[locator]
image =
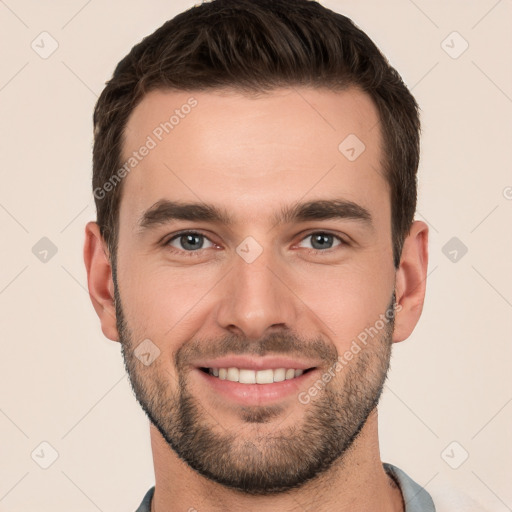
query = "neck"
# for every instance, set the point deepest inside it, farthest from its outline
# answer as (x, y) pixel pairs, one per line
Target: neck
(357, 483)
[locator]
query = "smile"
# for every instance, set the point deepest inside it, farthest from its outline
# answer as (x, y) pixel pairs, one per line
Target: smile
(248, 376)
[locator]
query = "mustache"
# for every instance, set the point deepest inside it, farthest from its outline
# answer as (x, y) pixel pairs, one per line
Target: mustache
(277, 344)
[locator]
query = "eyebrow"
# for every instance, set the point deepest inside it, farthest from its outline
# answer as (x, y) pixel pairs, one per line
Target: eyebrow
(165, 211)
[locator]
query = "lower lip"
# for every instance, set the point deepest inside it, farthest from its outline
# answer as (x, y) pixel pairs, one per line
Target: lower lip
(257, 394)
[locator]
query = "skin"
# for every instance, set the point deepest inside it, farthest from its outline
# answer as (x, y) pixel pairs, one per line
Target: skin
(253, 155)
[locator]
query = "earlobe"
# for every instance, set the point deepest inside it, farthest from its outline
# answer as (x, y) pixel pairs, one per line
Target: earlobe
(99, 280)
(411, 281)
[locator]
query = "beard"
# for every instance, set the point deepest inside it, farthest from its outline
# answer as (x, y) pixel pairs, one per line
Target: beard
(267, 459)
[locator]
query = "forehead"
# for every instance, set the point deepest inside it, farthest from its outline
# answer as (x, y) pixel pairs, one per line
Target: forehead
(247, 153)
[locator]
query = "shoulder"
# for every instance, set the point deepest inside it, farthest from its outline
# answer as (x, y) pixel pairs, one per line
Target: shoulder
(145, 505)
(416, 498)
(442, 495)
(449, 498)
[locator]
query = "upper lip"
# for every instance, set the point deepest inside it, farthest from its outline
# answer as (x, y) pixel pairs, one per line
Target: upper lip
(257, 363)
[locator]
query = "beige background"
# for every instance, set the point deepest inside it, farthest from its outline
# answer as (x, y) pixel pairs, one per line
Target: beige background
(63, 383)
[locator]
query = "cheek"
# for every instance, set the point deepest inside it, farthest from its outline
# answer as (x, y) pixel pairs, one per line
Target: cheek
(160, 301)
(346, 299)
(341, 300)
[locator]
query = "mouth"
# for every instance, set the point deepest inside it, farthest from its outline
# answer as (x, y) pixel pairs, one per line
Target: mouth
(249, 376)
(258, 386)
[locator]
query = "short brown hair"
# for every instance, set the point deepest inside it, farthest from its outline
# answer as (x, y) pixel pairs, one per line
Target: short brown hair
(258, 46)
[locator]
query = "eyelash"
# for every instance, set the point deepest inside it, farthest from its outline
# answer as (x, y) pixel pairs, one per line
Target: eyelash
(167, 242)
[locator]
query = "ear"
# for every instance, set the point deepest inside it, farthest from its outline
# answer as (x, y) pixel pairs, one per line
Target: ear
(411, 281)
(99, 280)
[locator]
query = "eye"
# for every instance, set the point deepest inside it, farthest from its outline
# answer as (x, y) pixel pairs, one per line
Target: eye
(321, 241)
(189, 241)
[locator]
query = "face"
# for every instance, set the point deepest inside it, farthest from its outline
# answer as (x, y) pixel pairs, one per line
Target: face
(283, 262)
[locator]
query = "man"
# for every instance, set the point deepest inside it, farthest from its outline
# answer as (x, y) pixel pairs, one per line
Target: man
(256, 254)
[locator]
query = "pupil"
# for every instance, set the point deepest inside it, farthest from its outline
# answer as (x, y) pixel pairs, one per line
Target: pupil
(190, 240)
(322, 240)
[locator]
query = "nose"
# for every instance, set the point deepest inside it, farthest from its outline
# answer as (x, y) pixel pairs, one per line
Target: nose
(257, 297)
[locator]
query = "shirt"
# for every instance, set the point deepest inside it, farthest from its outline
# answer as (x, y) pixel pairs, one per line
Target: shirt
(416, 498)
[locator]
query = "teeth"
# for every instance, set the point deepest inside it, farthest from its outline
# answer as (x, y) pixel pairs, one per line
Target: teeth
(279, 374)
(245, 376)
(233, 374)
(263, 376)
